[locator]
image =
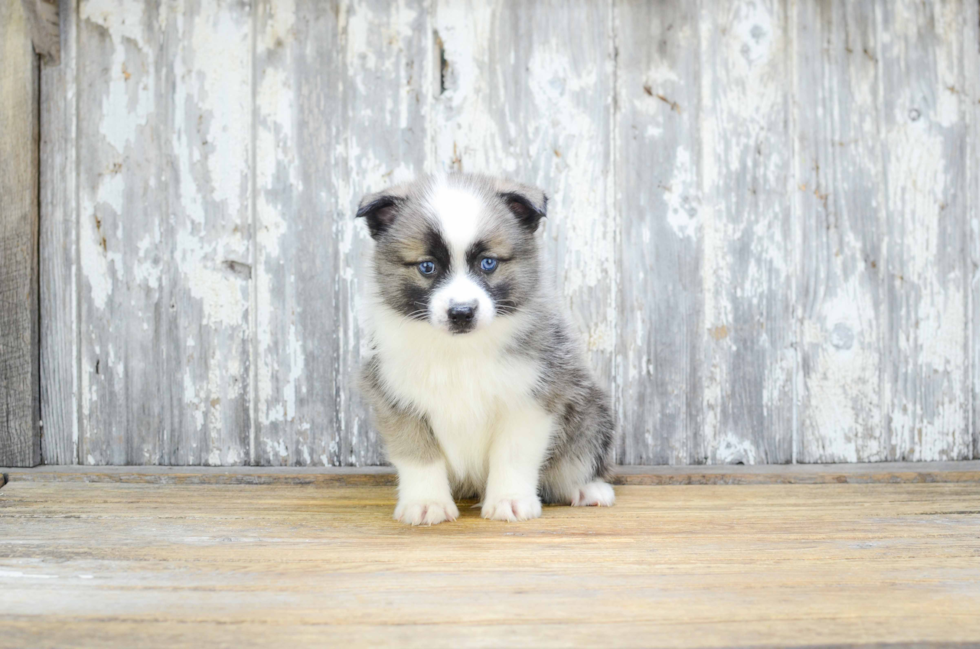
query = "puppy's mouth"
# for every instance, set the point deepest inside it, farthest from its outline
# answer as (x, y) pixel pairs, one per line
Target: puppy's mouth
(457, 329)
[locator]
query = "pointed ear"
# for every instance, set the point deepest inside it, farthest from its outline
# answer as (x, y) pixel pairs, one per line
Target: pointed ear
(528, 204)
(380, 209)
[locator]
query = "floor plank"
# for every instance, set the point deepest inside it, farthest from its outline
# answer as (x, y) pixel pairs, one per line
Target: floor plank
(684, 566)
(720, 474)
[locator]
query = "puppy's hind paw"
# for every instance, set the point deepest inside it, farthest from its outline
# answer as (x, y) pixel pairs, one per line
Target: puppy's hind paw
(512, 509)
(594, 494)
(426, 513)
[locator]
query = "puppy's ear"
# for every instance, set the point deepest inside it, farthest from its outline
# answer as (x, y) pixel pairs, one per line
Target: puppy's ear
(528, 204)
(380, 209)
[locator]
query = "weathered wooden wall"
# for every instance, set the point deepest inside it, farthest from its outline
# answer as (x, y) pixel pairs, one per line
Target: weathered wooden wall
(20, 438)
(764, 216)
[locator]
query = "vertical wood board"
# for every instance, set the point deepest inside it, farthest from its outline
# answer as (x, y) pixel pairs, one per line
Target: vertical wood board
(839, 193)
(164, 92)
(59, 243)
(748, 226)
(20, 443)
(923, 139)
(658, 202)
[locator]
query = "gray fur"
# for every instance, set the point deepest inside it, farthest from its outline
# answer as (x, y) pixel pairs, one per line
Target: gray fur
(581, 447)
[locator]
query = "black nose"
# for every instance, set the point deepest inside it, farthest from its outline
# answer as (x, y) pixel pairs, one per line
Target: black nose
(461, 315)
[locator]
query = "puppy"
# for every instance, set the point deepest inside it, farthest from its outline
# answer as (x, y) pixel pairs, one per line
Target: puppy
(474, 381)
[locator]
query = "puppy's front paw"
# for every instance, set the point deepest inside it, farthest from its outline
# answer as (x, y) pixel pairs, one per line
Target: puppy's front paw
(594, 494)
(512, 509)
(426, 513)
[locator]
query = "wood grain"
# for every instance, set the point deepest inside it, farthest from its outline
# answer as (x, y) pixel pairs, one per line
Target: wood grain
(20, 439)
(299, 177)
(703, 566)
(971, 77)
(923, 143)
(164, 232)
(659, 376)
(850, 473)
(59, 242)
(750, 244)
(839, 197)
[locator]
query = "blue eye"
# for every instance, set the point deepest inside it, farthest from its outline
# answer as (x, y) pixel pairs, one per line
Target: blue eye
(427, 267)
(488, 265)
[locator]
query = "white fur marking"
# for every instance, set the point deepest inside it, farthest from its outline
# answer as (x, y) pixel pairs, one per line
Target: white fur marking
(594, 494)
(459, 214)
(519, 446)
(459, 382)
(460, 290)
(424, 497)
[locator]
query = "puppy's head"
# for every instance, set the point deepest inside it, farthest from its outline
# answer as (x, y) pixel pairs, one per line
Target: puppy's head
(456, 251)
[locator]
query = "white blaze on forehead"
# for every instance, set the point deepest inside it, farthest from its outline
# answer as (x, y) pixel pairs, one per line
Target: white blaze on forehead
(459, 213)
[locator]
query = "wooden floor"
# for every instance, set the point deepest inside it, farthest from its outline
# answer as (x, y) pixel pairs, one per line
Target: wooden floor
(122, 563)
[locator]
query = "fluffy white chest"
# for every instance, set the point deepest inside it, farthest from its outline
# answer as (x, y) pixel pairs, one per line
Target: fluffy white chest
(463, 385)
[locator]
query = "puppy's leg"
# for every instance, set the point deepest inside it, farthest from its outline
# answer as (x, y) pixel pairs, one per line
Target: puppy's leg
(517, 451)
(424, 497)
(581, 457)
(573, 481)
(593, 494)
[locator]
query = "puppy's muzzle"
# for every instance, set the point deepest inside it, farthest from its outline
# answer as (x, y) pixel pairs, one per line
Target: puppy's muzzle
(462, 317)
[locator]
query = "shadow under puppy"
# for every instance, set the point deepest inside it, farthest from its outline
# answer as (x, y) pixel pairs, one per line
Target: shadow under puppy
(474, 381)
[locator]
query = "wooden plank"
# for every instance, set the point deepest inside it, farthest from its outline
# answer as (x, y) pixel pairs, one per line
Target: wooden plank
(839, 199)
(923, 148)
(42, 17)
(525, 91)
(749, 241)
(237, 475)
(340, 112)
(659, 377)
(164, 94)
(701, 566)
(20, 439)
(970, 25)
(59, 261)
(856, 473)
(298, 105)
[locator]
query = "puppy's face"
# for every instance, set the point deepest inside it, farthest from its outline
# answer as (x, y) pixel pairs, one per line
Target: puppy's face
(457, 251)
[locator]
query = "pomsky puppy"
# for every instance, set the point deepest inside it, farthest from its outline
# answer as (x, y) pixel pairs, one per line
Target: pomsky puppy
(475, 384)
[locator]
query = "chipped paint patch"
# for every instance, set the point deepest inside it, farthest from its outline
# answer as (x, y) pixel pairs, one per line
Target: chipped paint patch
(735, 449)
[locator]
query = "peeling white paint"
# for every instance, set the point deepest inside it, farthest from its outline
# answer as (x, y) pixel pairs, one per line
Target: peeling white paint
(842, 385)
(734, 449)
(545, 117)
(129, 88)
(94, 261)
(223, 99)
(682, 199)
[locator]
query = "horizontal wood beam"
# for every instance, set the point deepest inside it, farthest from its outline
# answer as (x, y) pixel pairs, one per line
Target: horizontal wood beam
(885, 472)
(20, 439)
